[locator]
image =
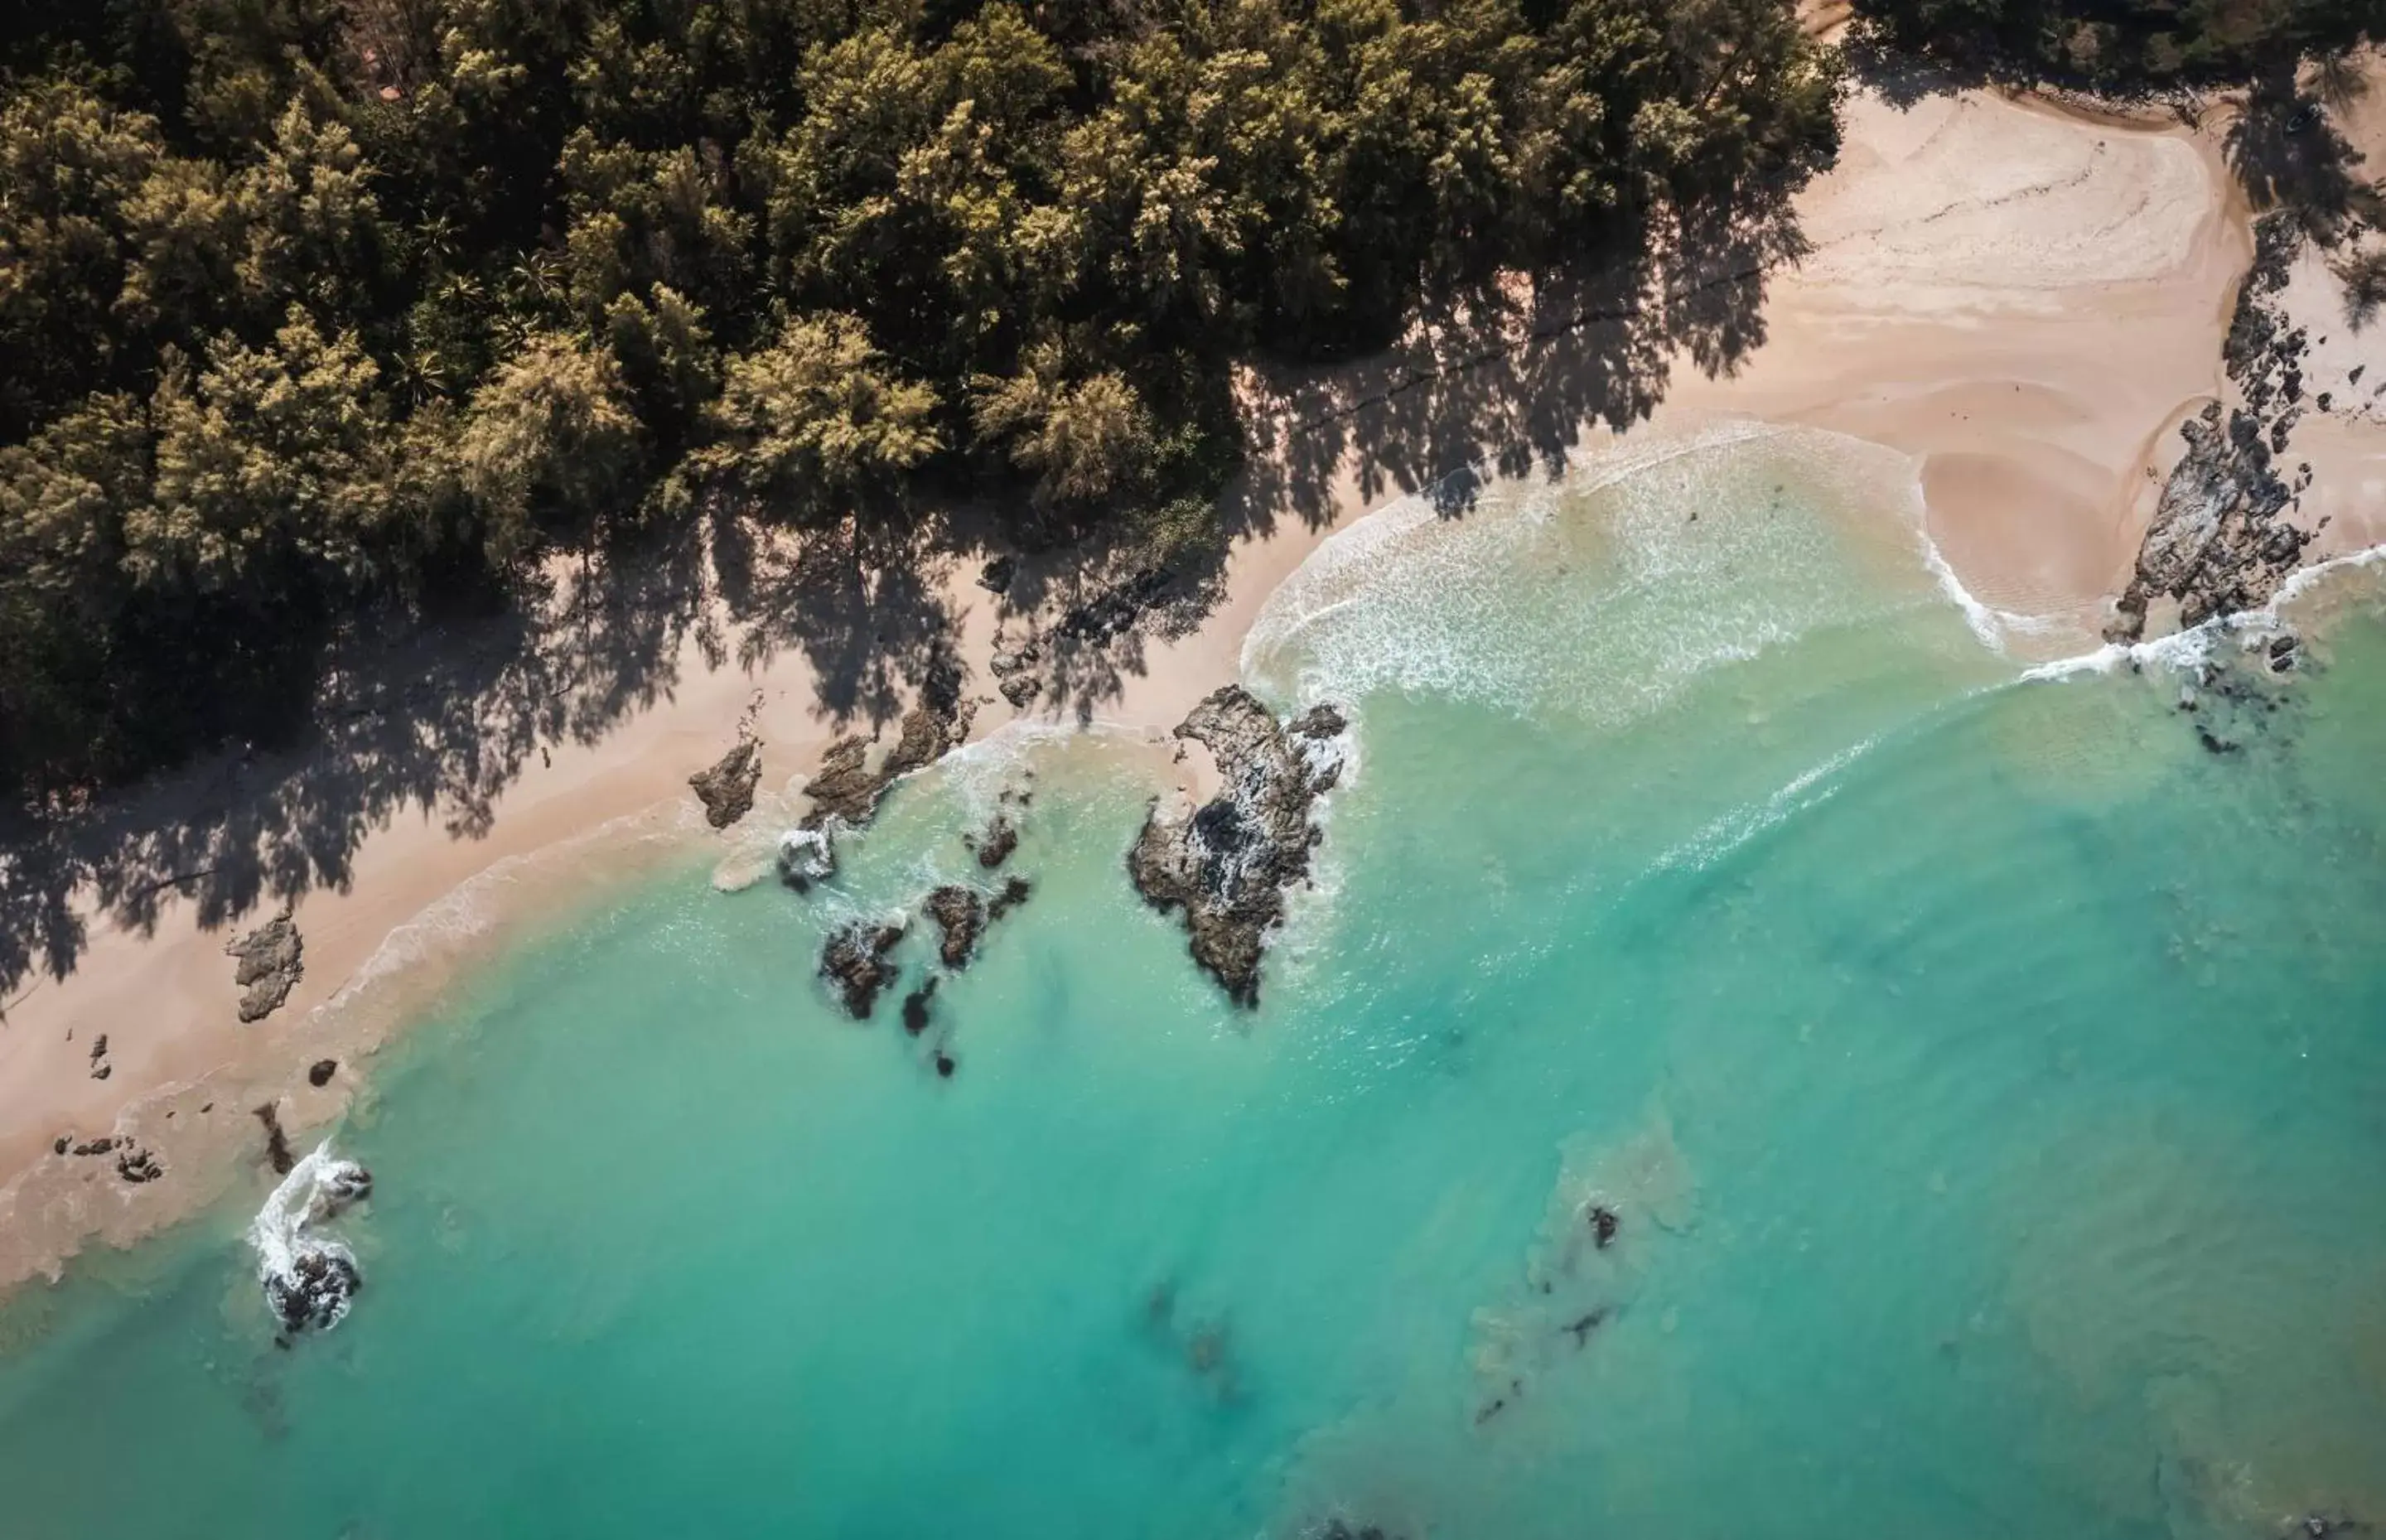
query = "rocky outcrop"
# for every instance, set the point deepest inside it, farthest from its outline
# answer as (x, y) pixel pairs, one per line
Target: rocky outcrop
(916, 1007)
(1227, 863)
(2218, 542)
(308, 1278)
(2222, 540)
(806, 856)
(1014, 671)
(319, 1073)
(848, 786)
(856, 961)
(959, 914)
(727, 789)
(138, 1167)
(271, 963)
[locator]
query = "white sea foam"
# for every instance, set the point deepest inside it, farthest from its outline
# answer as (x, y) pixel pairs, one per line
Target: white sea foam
(309, 1278)
(1721, 835)
(2185, 650)
(1649, 564)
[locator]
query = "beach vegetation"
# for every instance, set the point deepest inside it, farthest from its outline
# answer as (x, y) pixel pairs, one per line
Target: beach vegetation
(315, 310)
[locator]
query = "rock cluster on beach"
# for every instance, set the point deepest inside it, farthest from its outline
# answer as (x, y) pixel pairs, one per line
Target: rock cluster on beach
(2220, 540)
(1227, 863)
(271, 963)
(2216, 544)
(848, 786)
(727, 788)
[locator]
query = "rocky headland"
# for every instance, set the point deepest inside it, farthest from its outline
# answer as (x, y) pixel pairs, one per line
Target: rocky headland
(1226, 863)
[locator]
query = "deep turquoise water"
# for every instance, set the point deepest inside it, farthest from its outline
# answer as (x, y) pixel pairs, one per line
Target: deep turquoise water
(1989, 1079)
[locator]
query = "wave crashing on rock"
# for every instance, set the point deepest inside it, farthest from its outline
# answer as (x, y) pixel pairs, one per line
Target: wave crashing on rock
(308, 1278)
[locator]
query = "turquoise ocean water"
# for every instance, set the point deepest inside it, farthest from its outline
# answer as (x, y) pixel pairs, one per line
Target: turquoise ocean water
(1989, 1079)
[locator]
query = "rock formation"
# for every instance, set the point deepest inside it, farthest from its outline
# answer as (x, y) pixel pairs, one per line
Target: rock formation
(271, 965)
(2219, 541)
(277, 1144)
(2216, 542)
(848, 787)
(1014, 893)
(855, 960)
(308, 1278)
(1226, 865)
(727, 789)
(959, 913)
(319, 1073)
(806, 856)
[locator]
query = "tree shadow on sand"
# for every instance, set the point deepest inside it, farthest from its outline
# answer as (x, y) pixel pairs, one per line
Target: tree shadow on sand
(437, 721)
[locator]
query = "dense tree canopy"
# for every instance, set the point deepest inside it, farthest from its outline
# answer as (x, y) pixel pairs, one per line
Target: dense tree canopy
(2132, 43)
(313, 306)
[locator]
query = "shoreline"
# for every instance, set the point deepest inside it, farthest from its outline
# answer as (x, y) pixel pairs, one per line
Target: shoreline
(2033, 380)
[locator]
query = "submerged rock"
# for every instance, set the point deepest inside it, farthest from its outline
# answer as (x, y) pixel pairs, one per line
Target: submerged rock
(727, 789)
(959, 913)
(1227, 864)
(994, 847)
(916, 1007)
(271, 963)
(1014, 893)
(855, 960)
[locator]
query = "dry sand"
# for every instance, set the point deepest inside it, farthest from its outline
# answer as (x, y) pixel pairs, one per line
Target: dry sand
(2024, 301)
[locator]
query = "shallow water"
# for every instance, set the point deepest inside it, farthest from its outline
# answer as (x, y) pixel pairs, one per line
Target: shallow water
(1985, 1076)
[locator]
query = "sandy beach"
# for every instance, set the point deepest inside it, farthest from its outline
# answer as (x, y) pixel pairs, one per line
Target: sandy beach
(2024, 301)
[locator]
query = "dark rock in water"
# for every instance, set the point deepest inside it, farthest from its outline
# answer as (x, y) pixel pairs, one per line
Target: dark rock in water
(1227, 865)
(2216, 542)
(319, 1073)
(727, 789)
(1583, 1325)
(59, 1145)
(271, 963)
(1338, 1529)
(2281, 655)
(959, 913)
(1322, 721)
(994, 847)
(996, 575)
(806, 856)
(2213, 743)
(855, 960)
(1604, 1223)
(139, 1166)
(277, 1144)
(916, 1007)
(1014, 893)
(945, 1065)
(2319, 1526)
(98, 1147)
(314, 1291)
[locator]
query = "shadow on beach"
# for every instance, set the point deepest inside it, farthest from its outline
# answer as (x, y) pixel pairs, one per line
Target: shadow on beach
(440, 717)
